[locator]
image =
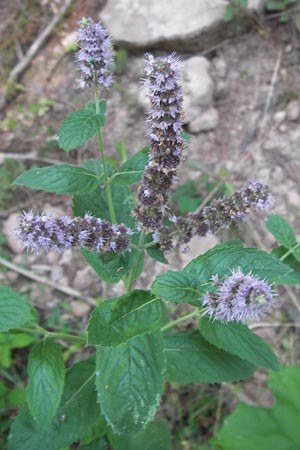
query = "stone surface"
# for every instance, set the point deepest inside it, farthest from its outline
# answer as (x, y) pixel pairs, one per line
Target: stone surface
(79, 308)
(293, 110)
(8, 227)
(189, 24)
(207, 121)
(198, 86)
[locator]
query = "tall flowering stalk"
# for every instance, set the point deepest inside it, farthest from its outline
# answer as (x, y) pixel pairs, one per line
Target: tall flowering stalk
(165, 129)
(238, 297)
(95, 55)
(47, 232)
(218, 215)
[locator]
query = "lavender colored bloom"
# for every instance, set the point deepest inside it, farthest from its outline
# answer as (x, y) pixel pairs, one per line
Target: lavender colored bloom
(165, 128)
(48, 232)
(238, 297)
(95, 54)
(220, 214)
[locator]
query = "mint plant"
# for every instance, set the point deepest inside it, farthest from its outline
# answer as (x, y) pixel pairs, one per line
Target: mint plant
(109, 400)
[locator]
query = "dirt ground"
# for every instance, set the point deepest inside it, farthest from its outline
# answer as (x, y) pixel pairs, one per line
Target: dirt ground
(257, 95)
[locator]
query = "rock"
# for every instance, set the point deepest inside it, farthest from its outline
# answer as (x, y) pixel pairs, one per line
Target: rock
(279, 116)
(79, 308)
(207, 121)
(198, 87)
(293, 110)
(8, 230)
(82, 279)
(197, 247)
(293, 198)
(181, 24)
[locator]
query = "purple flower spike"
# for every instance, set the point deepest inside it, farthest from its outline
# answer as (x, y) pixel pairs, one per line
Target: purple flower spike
(238, 297)
(165, 129)
(220, 214)
(95, 55)
(47, 232)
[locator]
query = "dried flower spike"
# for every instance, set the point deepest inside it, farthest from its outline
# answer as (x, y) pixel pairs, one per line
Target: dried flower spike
(219, 215)
(47, 232)
(165, 129)
(95, 55)
(238, 297)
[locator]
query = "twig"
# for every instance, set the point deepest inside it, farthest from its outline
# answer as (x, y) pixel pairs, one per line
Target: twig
(65, 289)
(253, 326)
(261, 118)
(37, 44)
(27, 156)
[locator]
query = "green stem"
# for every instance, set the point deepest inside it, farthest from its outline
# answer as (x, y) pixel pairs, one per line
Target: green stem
(41, 331)
(101, 149)
(196, 312)
(132, 273)
(291, 250)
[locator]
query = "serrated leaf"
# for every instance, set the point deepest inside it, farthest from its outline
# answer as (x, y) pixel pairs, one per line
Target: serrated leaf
(177, 287)
(97, 444)
(191, 359)
(223, 258)
(237, 339)
(155, 253)
(61, 179)
(129, 382)
(155, 437)
(78, 414)
(14, 311)
(132, 170)
(293, 277)
(46, 375)
(111, 267)
(281, 230)
(253, 428)
(79, 127)
(118, 320)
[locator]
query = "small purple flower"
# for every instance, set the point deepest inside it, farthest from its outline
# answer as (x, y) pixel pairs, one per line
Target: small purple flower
(238, 297)
(165, 128)
(47, 232)
(220, 214)
(95, 55)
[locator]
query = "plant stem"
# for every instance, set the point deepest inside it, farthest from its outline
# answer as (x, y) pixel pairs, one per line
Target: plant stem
(41, 331)
(132, 273)
(101, 149)
(291, 250)
(196, 312)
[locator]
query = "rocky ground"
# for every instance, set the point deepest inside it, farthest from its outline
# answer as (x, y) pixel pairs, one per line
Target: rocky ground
(242, 104)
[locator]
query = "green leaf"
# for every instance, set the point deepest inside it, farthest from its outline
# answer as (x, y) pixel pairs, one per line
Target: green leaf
(292, 277)
(237, 339)
(252, 428)
(186, 136)
(275, 5)
(281, 230)
(191, 359)
(46, 376)
(111, 267)
(96, 203)
(77, 416)
(177, 287)
(155, 253)
(230, 12)
(155, 437)
(129, 382)
(118, 320)
(78, 127)
(231, 255)
(132, 170)
(14, 311)
(97, 444)
(61, 179)
(102, 108)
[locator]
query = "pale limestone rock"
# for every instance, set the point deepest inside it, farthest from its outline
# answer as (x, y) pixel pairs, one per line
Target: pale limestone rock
(293, 111)
(79, 308)
(197, 87)
(206, 121)
(8, 230)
